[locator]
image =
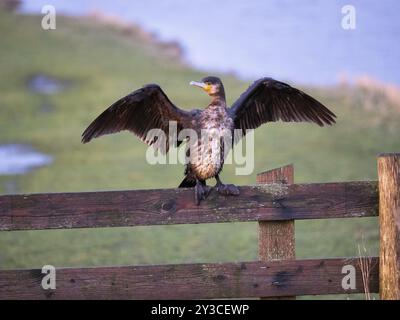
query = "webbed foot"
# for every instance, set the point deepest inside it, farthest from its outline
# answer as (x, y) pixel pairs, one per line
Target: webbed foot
(201, 191)
(227, 189)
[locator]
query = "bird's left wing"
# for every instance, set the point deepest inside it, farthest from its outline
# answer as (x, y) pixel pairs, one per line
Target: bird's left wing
(140, 111)
(268, 100)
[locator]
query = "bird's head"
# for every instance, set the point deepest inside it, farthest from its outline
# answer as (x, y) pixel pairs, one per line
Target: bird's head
(212, 85)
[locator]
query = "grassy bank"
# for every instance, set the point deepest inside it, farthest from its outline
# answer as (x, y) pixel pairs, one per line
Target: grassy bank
(103, 63)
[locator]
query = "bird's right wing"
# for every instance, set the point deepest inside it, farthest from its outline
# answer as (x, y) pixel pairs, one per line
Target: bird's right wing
(139, 112)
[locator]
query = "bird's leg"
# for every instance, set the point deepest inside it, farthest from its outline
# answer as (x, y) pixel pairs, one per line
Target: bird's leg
(226, 189)
(201, 191)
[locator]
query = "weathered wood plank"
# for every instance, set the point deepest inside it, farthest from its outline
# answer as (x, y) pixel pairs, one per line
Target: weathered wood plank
(276, 239)
(284, 175)
(389, 208)
(176, 206)
(190, 281)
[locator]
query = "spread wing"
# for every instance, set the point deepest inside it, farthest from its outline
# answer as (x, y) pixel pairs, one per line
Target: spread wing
(139, 112)
(268, 100)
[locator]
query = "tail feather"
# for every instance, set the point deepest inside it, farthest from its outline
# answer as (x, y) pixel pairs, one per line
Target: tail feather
(187, 183)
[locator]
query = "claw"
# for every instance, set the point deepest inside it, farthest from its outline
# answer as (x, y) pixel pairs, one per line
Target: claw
(227, 189)
(233, 190)
(201, 192)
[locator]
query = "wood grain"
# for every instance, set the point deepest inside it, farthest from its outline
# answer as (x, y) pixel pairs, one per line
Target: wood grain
(176, 206)
(190, 281)
(276, 239)
(389, 209)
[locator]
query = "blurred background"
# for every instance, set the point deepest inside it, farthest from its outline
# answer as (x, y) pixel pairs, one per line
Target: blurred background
(54, 82)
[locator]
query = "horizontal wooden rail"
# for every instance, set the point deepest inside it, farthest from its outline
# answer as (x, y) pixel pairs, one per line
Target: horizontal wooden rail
(192, 281)
(176, 206)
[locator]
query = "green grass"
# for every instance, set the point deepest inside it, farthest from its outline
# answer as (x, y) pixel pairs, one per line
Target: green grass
(104, 64)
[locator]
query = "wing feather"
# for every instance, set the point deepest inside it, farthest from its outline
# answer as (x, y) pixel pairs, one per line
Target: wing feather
(269, 100)
(140, 111)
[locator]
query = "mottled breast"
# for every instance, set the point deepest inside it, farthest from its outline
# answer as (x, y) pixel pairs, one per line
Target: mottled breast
(207, 158)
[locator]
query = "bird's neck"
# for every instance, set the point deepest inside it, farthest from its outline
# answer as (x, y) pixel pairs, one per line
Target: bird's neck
(218, 100)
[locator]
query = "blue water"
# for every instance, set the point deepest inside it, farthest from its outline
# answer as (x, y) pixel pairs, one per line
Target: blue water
(20, 159)
(301, 41)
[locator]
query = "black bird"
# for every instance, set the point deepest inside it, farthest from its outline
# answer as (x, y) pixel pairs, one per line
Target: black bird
(266, 100)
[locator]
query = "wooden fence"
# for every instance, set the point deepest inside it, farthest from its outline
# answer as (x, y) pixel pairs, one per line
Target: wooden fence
(275, 203)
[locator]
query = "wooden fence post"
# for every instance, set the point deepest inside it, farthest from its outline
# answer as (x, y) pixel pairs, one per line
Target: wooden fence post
(276, 239)
(389, 220)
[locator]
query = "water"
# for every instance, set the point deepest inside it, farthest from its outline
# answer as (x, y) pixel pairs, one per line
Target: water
(301, 41)
(20, 159)
(44, 84)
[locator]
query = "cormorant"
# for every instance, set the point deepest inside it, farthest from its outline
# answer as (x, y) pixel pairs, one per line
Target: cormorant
(266, 100)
